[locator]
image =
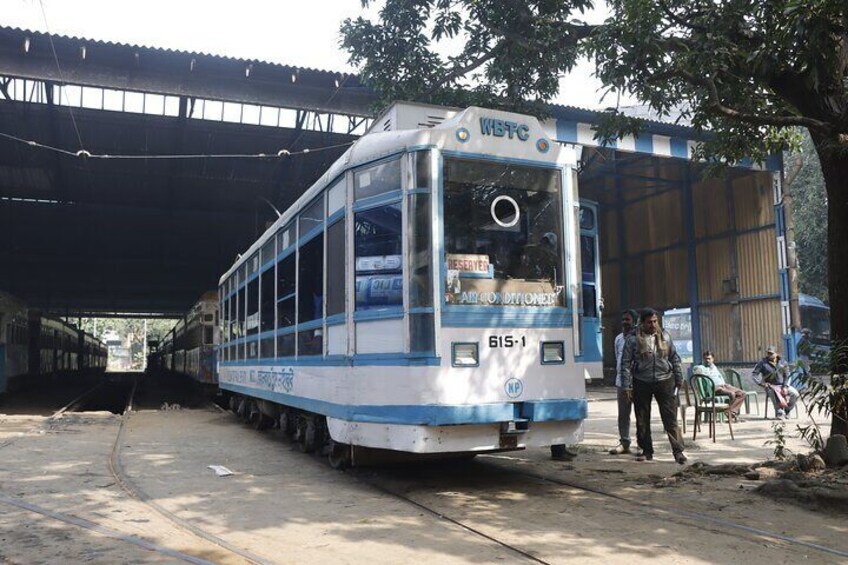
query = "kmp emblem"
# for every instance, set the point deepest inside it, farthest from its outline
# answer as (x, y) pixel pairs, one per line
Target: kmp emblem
(514, 387)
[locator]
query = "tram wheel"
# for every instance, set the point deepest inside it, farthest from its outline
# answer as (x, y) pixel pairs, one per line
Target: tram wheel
(340, 455)
(242, 410)
(262, 422)
(253, 415)
(307, 434)
(288, 425)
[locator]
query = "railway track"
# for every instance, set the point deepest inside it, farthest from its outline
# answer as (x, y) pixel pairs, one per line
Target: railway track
(58, 413)
(116, 467)
(698, 520)
(90, 398)
(500, 466)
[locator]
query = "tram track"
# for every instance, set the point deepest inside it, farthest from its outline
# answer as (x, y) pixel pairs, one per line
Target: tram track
(699, 520)
(442, 516)
(126, 484)
(70, 406)
(116, 468)
(90, 525)
(659, 510)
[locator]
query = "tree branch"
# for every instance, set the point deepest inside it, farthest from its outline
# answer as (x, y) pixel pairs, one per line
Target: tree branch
(458, 72)
(728, 112)
(680, 21)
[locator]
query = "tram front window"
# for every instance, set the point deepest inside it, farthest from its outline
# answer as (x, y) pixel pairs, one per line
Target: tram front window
(503, 235)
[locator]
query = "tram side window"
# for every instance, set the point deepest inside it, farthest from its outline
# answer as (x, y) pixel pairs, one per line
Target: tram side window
(231, 317)
(422, 169)
(253, 264)
(587, 261)
(336, 277)
(236, 310)
(421, 332)
(378, 256)
(286, 292)
(285, 345)
(266, 314)
(285, 238)
(310, 295)
(252, 318)
(420, 278)
(380, 178)
(268, 253)
(312, 217)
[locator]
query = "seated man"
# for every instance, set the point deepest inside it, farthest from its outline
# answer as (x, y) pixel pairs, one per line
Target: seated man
(772, 372)
(708, 369)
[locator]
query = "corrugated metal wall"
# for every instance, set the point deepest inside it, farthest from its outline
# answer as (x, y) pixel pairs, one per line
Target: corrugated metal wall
(643, 199)
(738, 277)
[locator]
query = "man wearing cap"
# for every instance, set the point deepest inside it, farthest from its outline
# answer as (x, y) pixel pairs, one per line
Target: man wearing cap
(650, 368)
(773, 372)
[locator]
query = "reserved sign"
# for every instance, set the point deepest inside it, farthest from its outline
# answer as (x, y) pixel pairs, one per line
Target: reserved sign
(468, 263)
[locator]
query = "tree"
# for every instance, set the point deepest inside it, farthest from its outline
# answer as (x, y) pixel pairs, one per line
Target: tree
(809, 205)
(513, 54)
(746, 73)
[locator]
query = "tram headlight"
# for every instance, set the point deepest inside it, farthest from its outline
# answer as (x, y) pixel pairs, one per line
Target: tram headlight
(465, 355)
(553, 352)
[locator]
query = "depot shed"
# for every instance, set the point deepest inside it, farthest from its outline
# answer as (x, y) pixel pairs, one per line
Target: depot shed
(671, 237)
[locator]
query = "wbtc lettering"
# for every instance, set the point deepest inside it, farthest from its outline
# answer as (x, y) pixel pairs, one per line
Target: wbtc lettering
(501, 128)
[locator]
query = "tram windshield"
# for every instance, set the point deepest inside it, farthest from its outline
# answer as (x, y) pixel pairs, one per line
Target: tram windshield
(503, 234)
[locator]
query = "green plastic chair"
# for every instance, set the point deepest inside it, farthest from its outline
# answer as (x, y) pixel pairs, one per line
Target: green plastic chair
(707, 404)
(735, 379)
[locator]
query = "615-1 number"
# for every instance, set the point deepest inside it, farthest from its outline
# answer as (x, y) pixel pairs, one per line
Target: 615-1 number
(507, 341)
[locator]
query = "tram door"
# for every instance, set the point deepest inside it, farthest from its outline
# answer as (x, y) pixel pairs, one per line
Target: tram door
(591, 284)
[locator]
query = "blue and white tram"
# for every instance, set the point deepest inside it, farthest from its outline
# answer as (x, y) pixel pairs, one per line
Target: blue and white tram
(424, 295)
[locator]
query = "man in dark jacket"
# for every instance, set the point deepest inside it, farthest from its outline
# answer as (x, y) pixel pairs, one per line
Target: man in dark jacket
(773, 372)
(650, 368)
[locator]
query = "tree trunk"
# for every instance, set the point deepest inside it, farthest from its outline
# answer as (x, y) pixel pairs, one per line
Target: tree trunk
(834, 163)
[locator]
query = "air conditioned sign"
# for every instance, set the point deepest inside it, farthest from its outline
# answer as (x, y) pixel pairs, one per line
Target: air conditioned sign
(504, 128)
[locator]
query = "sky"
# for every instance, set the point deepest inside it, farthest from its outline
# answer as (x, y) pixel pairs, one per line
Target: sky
(297, 33)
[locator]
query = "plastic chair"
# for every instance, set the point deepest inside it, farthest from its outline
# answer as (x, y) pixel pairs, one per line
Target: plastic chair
(707, 404)
(684, 407)
(735, 379)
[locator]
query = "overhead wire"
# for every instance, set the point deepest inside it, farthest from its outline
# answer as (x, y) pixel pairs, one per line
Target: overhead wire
(59, 71)
(82, 153)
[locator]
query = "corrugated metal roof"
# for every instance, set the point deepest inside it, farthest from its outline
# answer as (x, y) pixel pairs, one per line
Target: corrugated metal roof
(167, 51)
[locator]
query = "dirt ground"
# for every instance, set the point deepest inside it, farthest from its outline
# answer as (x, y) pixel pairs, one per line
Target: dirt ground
(60, 502)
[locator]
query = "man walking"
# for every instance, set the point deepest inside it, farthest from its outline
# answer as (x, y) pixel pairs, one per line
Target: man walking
(625, 403)
(650, 368)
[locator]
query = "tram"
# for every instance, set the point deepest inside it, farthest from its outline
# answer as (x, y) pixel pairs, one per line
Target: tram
(14, 340)
(33, 345)
(190, 347)
(424, 295)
